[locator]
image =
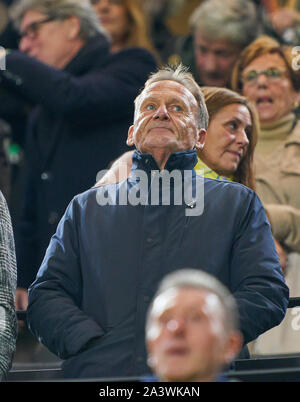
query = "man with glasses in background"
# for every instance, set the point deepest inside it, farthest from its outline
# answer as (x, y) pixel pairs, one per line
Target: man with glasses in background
(65, 68)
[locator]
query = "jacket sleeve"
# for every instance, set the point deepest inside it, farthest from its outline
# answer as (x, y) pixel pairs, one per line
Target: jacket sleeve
(285, 224)
(257, 280)
(8, 278)
(105, 90)
(54, 314)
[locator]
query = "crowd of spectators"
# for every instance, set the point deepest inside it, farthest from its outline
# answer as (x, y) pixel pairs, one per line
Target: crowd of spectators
(72, 71)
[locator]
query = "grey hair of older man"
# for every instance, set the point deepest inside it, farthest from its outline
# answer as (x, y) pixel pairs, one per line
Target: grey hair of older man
(233, 20)
(60, 10)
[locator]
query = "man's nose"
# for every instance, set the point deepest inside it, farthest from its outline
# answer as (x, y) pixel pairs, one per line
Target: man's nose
(161, 113)
(210, 62)
(176, 326)
(24, 44)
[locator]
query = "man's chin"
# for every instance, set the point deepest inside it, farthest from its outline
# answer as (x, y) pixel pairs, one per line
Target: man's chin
(178, 375)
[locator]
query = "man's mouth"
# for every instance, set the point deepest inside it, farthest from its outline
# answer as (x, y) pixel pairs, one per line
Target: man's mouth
(177, 351)
(160, 128)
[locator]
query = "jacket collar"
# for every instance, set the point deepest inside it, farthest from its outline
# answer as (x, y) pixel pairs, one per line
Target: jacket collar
(94, 49)
(184, 160)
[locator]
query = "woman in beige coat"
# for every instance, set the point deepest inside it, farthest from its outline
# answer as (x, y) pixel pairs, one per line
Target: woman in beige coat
(265, 75)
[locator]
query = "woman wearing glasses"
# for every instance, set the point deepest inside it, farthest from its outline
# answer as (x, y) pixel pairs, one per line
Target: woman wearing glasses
(267, 75)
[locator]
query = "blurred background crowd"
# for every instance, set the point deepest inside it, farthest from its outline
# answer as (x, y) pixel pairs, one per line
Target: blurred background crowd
(73, 70)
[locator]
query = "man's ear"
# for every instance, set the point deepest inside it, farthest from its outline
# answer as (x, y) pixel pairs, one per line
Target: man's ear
(73, 27)
(200, 141)
(130, 141)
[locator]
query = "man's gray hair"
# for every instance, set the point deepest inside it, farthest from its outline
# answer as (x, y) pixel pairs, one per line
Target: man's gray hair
(60, 10)
(181, 75)
(198, 279)
(231, 20)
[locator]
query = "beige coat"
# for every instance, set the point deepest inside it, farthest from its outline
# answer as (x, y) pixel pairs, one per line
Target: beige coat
(278, 185)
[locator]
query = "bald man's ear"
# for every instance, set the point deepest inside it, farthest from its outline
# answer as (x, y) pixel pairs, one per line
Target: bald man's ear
(130, 141)
(200, 141)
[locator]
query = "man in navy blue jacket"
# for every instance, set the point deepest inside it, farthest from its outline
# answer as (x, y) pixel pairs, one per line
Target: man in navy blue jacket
(116, 242)
(84, 104)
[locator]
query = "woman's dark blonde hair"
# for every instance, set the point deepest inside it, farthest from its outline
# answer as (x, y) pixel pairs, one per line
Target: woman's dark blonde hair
(138, 35)
(216, 98)
(264, 45)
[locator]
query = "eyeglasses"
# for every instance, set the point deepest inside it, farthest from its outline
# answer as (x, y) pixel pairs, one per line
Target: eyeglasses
(32, 30)
(272, 74)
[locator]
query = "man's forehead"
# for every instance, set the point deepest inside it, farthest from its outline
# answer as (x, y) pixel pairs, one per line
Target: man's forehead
(186, 297)
(215, 44)
(168, 87)
(31, 16)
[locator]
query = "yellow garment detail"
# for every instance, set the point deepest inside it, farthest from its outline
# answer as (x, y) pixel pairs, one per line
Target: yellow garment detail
(202, 169)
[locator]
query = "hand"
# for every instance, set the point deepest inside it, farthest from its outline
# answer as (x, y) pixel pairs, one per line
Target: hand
(281, 254)
(21, 303)
(119, 171)
(21, 299)
(284, 18)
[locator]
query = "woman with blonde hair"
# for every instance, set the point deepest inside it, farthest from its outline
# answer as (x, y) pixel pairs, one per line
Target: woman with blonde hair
(126, 23)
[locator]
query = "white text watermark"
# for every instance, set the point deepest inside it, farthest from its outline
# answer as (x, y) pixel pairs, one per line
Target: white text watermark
(164, 187)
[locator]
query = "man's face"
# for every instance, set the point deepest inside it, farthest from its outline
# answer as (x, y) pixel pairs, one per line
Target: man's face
(166, 119)
(47, 41)
(214, 60)
(187, 340)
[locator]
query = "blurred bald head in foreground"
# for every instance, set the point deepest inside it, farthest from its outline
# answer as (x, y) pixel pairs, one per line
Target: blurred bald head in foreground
(192, 328)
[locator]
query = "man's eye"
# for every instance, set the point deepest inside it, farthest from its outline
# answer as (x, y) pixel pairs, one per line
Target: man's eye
(202, 49)
(177, 108)
(223, 54)
(195, 317)
(150, 107)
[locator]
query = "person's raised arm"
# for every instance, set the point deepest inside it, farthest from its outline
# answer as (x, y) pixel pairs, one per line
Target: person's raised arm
(106, 92)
